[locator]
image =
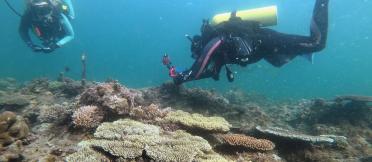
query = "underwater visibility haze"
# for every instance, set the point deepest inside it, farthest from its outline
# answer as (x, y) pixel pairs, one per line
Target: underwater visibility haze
(129, 110)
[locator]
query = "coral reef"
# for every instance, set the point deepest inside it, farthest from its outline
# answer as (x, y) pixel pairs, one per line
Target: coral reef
(14, 101)
(67, 87)
(149, 114)
(154, 137)
(342, 112)
(111, 96)
(198, 99)
(12, 128)
(237, 96)
(197, 121)
(8, 84)
(88, 117)
(203, 97)
(298, 137)
(247, 142)
(57, 113)
(87, 154)
(354, 98)
(128, 139)
(247, 116)
(12, 152)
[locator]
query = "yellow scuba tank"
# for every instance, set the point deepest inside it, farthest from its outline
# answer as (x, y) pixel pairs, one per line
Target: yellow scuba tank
(266, 16)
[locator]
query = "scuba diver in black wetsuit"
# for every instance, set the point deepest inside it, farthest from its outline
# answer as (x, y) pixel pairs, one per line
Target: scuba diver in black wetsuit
(244, 42)
(50, 22)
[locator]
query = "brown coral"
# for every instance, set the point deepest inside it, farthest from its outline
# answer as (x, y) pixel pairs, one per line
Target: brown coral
(149, 113)
(247, 142)
(12, 128)
(88, 117)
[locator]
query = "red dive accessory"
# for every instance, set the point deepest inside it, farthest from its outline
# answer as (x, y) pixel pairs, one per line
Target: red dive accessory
(173, 72)
(37, 31)
(172, 69)
(166, 61)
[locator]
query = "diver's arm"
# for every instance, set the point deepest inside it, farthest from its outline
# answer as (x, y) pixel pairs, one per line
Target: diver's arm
(187, 76)
(279, 48)
(24, 28)
(71, 12)
(69, 31)
(190, 75)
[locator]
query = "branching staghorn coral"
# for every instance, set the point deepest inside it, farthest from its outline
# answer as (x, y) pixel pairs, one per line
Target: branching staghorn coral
(88, 117)
(211, 124)
(128, 139)
(247, 142)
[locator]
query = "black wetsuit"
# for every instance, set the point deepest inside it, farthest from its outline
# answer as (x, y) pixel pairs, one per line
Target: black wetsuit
(47, 31)
(242, 42)
(53, 28)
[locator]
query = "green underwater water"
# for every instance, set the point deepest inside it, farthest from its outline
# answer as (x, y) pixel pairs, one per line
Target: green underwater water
(125, 39)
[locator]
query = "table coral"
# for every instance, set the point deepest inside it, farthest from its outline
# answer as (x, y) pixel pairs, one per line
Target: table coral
(212, 124)
(295, 136)
(87, 155)
(128, 139)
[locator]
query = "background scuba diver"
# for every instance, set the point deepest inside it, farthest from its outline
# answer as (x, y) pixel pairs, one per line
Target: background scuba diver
(50, 22)
(245, 42)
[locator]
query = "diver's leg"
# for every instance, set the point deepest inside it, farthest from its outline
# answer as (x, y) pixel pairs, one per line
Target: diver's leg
(280, 48)
(319, 24)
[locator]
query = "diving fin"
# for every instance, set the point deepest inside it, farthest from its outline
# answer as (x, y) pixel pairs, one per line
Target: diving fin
(309, 57)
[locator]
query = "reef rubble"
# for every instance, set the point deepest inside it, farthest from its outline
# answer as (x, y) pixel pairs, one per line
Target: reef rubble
(46, 120)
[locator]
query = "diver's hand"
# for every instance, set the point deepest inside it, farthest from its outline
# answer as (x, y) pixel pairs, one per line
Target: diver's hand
(47, 50)
(50, 48)
(36, 48)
